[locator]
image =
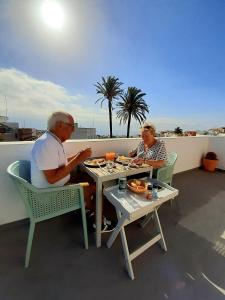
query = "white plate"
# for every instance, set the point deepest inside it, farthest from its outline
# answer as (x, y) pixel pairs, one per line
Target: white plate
(95, 162)
(124, 160)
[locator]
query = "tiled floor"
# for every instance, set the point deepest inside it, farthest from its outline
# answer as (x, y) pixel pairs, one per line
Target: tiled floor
(60, 268)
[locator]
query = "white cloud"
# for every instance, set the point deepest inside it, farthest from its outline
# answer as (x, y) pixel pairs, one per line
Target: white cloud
(33, 100)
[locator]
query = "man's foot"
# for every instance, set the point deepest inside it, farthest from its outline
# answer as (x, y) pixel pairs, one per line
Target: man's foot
(109, 225)
(90, 217)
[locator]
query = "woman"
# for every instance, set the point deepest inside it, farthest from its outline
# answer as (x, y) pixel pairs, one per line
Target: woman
(150, 150)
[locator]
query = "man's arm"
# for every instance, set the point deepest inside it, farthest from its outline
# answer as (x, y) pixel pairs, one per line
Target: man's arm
(55, 175)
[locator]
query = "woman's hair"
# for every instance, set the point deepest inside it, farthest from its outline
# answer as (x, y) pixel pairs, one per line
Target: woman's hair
(58, 116)
(149, 126)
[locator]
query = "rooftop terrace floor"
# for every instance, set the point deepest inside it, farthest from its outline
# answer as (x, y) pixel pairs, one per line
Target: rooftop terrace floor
(60, 268)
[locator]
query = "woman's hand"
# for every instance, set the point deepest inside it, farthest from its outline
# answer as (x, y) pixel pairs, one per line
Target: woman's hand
(132, 154)
(139, 161)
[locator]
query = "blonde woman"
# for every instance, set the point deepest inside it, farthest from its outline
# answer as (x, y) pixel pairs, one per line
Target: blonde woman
(150, 150)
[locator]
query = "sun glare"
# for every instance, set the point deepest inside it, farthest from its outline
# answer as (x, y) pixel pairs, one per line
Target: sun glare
(53, 14)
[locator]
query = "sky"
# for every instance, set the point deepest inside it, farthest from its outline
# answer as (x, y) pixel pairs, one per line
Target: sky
(173, 50)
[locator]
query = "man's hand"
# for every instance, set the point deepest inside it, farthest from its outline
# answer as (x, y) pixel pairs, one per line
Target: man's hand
(84, 154)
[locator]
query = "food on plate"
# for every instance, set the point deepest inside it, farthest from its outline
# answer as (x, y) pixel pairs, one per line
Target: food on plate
(133, 184)
(137, 186)
(124, 158)
(140, 187)
(95, 161)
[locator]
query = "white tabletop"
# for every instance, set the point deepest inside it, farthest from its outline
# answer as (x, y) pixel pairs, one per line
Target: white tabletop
(133, 205)
(103, 174)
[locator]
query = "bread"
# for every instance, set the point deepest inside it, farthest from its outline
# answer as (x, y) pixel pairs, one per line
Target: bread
(138, 182)
(133, 184)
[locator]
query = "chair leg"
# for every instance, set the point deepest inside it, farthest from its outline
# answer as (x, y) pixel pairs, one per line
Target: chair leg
(84, 223)
(29, 243)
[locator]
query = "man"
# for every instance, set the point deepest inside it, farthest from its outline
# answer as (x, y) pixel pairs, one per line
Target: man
(49, 164)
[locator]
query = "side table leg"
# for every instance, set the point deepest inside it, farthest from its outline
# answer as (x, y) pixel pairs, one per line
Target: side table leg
(126, 253)
(126, 249)
(159, 228)
(116, 231)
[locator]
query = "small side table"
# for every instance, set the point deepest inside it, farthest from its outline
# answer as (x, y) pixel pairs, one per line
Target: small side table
(130, 207)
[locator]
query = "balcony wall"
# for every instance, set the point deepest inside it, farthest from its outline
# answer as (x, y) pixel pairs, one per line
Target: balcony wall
(189, 149)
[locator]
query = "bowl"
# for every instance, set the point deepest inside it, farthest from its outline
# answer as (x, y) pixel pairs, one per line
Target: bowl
(137, 186)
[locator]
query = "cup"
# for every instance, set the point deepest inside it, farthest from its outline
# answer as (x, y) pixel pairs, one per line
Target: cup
(122, 184)
(110, 155)
(109, 165)
(155, 191)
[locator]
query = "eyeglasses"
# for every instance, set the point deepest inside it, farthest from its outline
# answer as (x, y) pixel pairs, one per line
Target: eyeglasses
(69, 124)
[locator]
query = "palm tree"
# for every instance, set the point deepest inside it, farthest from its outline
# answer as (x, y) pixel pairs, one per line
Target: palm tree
(110, 90)
(132, 105)
(178, 131)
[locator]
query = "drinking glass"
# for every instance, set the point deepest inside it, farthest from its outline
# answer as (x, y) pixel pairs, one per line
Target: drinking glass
(154, 191)
(109, 165)
(122, 185)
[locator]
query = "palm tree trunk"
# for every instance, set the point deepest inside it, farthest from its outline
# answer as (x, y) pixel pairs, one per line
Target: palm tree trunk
(128, 125)
(110, 117)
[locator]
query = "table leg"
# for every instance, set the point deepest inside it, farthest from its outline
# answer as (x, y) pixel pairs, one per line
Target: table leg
(159, 228)
(116, 231)
(98, 216)
(125, 248)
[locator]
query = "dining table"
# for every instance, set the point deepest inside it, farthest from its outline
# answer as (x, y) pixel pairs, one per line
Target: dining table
(101, 174)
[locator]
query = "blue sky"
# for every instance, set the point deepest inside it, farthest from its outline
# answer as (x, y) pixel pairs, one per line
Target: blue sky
(171, 49)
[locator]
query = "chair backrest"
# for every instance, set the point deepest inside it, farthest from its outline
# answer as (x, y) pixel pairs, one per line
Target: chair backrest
(171, 159)
(42, 204)
(165, 174)
(20, 169)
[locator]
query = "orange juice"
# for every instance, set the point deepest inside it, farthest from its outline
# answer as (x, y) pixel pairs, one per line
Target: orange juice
(110, 155)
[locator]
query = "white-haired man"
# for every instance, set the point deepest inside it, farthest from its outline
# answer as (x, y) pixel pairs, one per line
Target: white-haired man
(49, 164)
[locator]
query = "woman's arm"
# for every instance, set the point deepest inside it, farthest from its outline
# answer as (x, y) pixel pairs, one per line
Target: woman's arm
(154, 163)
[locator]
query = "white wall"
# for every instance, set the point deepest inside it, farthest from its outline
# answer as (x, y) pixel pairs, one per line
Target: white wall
(189, 149)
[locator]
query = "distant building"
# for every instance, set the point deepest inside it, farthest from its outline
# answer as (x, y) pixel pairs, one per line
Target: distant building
(166, 133)
(9, 131)
(83, 133)
(216, 131)
(190, 133)
(27, 134)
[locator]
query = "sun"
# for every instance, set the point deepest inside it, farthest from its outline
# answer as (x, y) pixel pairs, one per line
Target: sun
(53, 14)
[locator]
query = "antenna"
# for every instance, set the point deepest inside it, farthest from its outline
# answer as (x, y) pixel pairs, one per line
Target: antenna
(6, 108)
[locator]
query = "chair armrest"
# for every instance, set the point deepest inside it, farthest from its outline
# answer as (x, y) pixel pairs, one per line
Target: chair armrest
(58, 188)
(83, 184)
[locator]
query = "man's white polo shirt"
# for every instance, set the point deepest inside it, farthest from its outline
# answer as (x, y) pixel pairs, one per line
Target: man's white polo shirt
(47, 154)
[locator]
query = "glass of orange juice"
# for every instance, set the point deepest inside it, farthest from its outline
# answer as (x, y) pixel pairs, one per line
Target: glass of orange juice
(110, 155)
